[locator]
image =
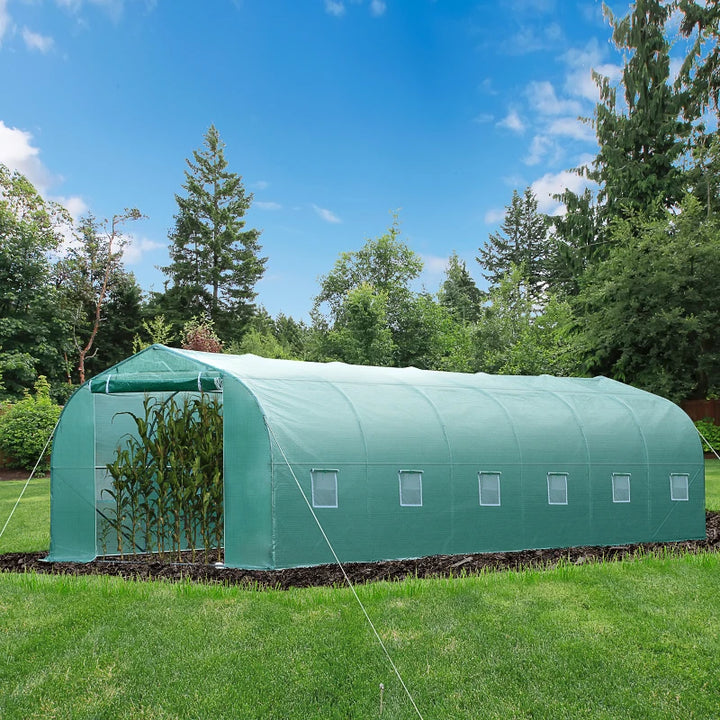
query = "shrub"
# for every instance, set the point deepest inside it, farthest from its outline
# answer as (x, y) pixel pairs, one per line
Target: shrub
(25, 427)
(199, 334)
(711, 432)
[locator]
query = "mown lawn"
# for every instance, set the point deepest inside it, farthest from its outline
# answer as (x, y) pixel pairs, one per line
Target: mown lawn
(634, 639)
(712, 485)
(29, 528)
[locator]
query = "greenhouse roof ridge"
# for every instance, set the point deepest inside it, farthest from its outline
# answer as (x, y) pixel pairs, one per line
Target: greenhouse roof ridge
(249, 367)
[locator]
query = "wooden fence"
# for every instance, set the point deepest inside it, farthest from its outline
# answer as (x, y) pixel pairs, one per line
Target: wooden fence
(701, 409)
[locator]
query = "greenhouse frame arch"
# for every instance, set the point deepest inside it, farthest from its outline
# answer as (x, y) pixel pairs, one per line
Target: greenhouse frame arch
(397, 462)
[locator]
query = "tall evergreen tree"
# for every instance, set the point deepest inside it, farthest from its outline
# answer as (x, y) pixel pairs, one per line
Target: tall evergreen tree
(701, 70)
(522, 242)
(574, 243)
(641, 138)
(459, 293)
(700, 78)
(215, 263)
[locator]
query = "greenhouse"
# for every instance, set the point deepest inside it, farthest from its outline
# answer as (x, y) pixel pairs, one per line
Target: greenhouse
(393, 462)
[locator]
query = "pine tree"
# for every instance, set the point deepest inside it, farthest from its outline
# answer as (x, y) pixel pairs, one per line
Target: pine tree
(522, 242)
(574, 243)
(215, 263)
(642, 138)
(701, 70)
(700, 78)
(459, 293)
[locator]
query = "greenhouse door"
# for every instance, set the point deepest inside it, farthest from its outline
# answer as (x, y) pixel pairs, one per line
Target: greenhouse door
(159, 474)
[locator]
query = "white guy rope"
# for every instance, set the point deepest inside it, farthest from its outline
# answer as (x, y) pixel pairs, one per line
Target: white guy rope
(345, 575)
(42, 455)
(707, 443)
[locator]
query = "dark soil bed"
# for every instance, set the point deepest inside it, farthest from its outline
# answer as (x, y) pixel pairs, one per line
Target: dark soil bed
(434, 566)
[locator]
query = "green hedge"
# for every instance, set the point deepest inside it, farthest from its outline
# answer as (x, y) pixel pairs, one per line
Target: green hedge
(711, 432)
(25, 427)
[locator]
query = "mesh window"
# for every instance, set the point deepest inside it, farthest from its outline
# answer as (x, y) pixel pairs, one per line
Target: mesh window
(557, 488)
(489, 488)
(410, 488)
(324, 488)
(679, 487)
(621, 488)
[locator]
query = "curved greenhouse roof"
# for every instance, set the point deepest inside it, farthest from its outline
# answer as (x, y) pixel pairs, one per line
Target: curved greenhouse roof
(407, 462)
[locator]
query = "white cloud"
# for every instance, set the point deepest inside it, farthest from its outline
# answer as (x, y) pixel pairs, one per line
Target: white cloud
(326, 215)
(572, 127)
(75, 205)
(538, 6)
(4, 19)
(512, 122)
(35, 41)
(486, 86)
(377, 8)
(530, 39)
(539, 148)
(593, 14)
(18, 153)
(114, 8)
(553, 184)
(261, 205)
(433, 264)
(260, 185)
(334, 7)
(581, 63)
(542, 98)
(483, 118)
(514, 181)
(675, 67)
(135, 249)
(494, 216)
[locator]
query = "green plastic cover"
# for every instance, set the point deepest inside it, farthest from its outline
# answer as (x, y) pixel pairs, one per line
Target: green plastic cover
(202, 381)
(400, 463)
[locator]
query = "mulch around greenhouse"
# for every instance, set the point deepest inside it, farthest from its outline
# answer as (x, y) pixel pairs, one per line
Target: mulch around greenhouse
(435, 566)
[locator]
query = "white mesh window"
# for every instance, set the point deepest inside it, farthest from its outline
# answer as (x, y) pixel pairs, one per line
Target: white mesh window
(489, 488)
(621, 488)
(557, 488)
(410, 488)
(679, 487)
(324, 488)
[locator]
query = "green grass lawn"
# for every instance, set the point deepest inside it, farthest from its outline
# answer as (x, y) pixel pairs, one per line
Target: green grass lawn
(633, 639)
(712, 485)
(29, 529)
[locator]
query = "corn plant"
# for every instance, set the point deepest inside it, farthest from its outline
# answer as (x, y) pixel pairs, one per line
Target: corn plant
(167, 480)
(117, 470)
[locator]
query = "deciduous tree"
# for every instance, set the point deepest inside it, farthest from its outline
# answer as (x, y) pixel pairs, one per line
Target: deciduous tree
(34, 330)
(647, 314)
(94, 282)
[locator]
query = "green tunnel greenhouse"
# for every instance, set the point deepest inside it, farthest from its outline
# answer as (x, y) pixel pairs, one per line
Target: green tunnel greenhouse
(396, 463)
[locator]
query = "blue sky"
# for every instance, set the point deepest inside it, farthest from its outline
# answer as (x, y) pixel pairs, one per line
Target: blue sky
(335, 112)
